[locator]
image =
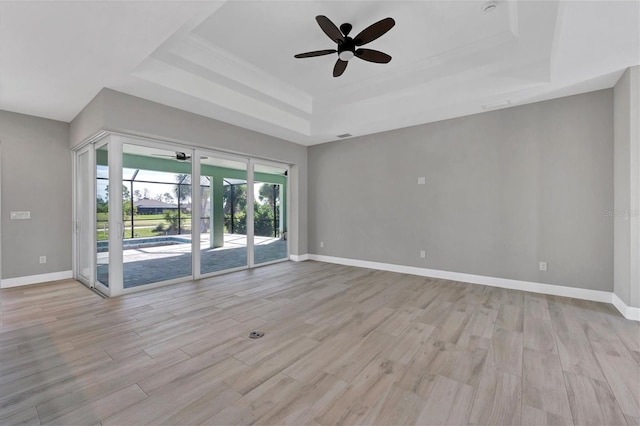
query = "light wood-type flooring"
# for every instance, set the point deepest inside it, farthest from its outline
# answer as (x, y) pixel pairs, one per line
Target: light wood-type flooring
(342, 345)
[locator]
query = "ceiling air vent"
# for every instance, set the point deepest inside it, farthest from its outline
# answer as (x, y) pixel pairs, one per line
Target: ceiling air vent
(345, 135)
(497, 105)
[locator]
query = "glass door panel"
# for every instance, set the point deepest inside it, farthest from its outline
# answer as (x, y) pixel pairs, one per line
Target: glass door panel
(84, 227)
(223, 218)
(156, 215)
(269, 214)
(102, 215)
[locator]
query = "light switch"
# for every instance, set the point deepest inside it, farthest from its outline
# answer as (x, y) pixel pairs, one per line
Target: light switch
(20, 215)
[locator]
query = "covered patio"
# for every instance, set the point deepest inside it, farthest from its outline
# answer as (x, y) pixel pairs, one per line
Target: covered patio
(159, 215)
(170, 260)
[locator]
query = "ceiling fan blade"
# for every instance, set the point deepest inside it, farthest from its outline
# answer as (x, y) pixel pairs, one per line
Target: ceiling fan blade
(374, 31)
(330, 29)
(315, 53)
(373, 56)
(339, 68)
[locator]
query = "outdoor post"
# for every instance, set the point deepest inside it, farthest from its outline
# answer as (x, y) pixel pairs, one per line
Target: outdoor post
(131, 194)
(217, 212)
(179, 196)
(275, 213)
(232, 206)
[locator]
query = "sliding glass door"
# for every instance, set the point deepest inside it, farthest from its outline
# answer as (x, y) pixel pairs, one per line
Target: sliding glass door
(269, 213)
(159, 213)
(102, 215)
(223, 214)
(156, 213)
(84, 225)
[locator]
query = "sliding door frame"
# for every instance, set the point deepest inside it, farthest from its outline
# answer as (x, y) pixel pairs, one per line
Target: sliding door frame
(80, 224)
(115, 142)
(197, 202)
(121, 140)
(287, 167)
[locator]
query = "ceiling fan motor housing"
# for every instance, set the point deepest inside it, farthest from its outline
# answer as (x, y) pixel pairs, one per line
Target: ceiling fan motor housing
(346, 49)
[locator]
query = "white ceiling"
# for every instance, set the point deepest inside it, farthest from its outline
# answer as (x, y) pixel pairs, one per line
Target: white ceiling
(233, 60)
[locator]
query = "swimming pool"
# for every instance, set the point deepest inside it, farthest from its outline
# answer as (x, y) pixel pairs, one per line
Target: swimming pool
(132, 243)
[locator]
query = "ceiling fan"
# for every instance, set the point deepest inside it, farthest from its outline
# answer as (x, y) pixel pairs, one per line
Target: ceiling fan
(348, 47)
(180, 156)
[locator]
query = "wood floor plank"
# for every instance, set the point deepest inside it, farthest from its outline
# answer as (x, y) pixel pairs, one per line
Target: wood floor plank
(409, 343)
(176, 394)
(538, 335)
(623, 376)
(27, 417)
(505, 352)
(349, 365)
(200, 409)
(482, 322)
(308, 367)
(33, 389)
(592, 403)
(363, 396)
(498, 399)
(248, 379)
(576, 356)
(535, 417)
(102, 408)
(259, 402)
(449, 403)
(191, 366)
(400, 407)
(92, 386)
(343, 345)
(465, 366)
(543, 384)
(510, 317)
(420, 374)
(536, 306)
(629, 333)
(307, 404)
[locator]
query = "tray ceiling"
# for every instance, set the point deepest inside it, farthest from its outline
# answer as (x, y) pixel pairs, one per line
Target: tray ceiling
(233, 60)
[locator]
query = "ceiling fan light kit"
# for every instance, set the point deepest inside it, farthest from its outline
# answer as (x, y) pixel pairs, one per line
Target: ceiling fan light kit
(348, 47)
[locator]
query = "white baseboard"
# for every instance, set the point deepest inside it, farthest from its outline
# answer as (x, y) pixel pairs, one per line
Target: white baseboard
(554, 290)
(36, 279)
(628, 311)
(299, 257)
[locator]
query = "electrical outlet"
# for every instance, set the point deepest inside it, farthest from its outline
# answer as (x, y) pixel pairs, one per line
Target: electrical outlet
(542, 266)
(321, 244)
(43, 259)
(423, 254)
(422, 180)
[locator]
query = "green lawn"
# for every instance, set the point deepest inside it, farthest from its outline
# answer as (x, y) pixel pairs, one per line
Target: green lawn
(144, 225)
(142, 220)
(139, 233)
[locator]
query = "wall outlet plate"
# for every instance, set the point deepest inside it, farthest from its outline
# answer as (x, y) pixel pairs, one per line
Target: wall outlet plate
(542, 266)
(43, 259)
(423, 254)
(422, 180)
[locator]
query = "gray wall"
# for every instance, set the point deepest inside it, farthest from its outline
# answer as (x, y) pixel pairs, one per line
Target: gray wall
(36, 176)
(505, 189)
(129, 114)
(627, 187)
(88, 122)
